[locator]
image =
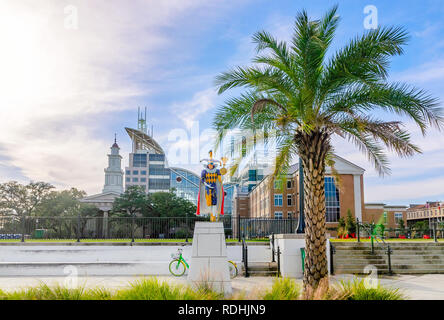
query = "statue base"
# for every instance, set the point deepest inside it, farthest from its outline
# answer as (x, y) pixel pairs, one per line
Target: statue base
(209, 263)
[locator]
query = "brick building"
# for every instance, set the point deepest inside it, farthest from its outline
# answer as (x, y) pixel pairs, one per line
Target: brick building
(344, 191)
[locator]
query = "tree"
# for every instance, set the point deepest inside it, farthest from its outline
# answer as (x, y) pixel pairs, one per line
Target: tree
(63, 205)
(308, 95)
(22, 200)
(350, 223)
(133, 201)
(168, 204)
(341, 229)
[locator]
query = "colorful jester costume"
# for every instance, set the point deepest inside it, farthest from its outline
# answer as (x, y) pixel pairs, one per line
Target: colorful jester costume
(211, 192)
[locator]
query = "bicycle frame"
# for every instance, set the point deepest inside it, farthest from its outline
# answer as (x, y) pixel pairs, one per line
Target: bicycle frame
(182, 259)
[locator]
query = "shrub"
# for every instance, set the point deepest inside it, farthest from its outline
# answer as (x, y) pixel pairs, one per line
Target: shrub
(153, 289)
(350, 223)
(357, 290)
(283, 289)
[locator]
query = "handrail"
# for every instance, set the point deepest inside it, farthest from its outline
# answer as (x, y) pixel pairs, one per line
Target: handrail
(371, 231)
(373, 235)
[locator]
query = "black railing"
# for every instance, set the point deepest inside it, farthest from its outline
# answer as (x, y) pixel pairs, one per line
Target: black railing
(433, 231)
(132, 228)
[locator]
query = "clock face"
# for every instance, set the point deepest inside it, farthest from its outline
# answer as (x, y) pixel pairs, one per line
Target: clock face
(223, 171)
(179, 179)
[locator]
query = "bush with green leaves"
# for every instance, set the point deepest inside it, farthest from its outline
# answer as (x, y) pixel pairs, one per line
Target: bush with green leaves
(154, 289)
(357, 289)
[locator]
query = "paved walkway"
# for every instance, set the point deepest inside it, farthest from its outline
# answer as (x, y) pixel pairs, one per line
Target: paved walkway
(417, 287)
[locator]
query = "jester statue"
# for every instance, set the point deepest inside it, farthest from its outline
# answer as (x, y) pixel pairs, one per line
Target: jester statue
(210, 200)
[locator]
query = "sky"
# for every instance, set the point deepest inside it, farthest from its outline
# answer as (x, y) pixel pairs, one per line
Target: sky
(73, 73)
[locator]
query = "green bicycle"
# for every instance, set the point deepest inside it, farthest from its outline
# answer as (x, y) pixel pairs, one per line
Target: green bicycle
(179, 265)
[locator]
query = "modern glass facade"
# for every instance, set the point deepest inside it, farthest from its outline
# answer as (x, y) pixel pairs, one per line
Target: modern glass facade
(139, 160)
(228, 200)
(158, 170)
(148, 169)
(158, 184)
(186, 184)
(331, 200)
(157, 157)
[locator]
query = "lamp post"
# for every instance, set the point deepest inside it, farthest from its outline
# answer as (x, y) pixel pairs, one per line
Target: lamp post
(301, 220)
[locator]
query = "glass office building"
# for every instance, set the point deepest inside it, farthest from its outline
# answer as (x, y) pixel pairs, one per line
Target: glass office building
(148, 168)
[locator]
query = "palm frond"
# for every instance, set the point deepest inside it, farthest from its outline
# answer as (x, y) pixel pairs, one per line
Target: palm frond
(364, 60)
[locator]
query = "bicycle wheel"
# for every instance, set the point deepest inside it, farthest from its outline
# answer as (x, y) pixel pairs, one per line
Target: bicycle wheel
(233, 269)
(177, 267)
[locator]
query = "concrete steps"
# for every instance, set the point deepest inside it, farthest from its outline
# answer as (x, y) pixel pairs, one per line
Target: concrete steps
(406, 258)
(262, 269)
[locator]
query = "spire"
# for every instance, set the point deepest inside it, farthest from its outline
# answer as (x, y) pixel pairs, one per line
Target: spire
(141, 120)
(115, 145)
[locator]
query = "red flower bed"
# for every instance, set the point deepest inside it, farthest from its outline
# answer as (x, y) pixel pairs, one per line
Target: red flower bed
(426, 236)
(401, 236)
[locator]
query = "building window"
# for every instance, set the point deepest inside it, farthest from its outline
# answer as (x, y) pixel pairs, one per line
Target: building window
(278, 200)
(157, 157)
(290, 215)
(159, 170)
(143, 172)
(332, 206)
(289, 200)
(289, 184)
(127, 172)
(142, 179)
(278, 184)
(136, 172)
(127, 179)
(139, 160)
(385, 217)
(398, 217)
(159, 184)
(278, 215)
(252, 175)
(135, 179)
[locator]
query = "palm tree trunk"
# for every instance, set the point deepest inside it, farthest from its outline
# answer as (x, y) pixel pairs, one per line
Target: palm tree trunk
(313, 148)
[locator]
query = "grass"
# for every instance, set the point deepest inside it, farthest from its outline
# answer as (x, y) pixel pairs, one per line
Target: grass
(283, 289)
(356, 289)
(153, 289)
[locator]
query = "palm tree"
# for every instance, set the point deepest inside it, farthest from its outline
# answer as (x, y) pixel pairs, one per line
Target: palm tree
(308, 96)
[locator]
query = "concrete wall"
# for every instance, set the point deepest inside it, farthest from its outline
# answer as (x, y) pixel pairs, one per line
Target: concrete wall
(18, 260)
(291, 259)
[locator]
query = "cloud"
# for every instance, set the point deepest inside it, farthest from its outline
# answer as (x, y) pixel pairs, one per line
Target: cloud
(200, 103)
(406, 192)
(57, 84)
(425, 73)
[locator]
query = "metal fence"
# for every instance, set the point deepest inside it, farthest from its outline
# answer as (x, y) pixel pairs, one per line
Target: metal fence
(434, 232)
(19, 228)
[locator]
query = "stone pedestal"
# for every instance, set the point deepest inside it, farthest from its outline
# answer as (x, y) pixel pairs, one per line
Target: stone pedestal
(209, 263)
(291, 259)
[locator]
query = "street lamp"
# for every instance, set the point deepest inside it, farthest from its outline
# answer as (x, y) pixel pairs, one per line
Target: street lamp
(301, 220)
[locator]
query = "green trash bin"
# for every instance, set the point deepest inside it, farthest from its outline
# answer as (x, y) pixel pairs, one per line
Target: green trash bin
(39, 233)
(303, 258)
